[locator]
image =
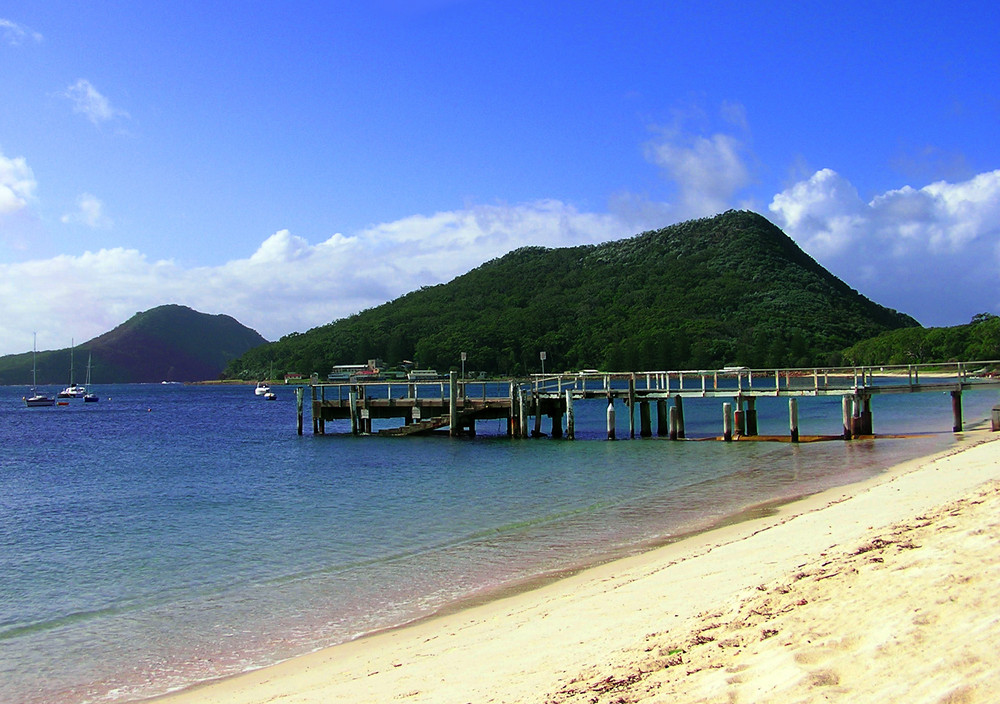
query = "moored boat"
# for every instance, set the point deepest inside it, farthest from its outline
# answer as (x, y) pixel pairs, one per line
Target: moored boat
(36, 400)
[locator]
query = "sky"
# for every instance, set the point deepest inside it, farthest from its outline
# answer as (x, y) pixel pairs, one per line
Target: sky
(293, 163)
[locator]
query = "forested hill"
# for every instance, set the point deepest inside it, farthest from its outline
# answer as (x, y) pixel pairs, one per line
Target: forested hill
(167, 343)
(732, 289)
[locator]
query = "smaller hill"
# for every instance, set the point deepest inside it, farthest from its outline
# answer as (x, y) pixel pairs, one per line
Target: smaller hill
(167, 343)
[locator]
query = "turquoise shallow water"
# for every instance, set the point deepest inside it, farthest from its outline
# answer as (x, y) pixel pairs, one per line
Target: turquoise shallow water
(170, 534)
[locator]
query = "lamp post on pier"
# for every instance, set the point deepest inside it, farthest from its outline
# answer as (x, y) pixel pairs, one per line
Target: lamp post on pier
(463, 365)
(541, 356)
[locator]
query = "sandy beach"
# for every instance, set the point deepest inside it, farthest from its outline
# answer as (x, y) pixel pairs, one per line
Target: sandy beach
(877, 592)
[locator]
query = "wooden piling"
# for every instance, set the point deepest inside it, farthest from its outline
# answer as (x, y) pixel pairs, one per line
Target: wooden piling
(299, 393)
(523, 414)
(645, 424)
(557, 428)
(793, 418)
(453, 429)
(866, 415)
(751, 417)
(662, 418)
(679, 407)
(631, 406)
(611, 418)
(739, 419)
(570, 422)
(727, 422)
(352, 401)
(673, 422)
(846, 407)
(315, 416)
(538, 415)
(956, 410)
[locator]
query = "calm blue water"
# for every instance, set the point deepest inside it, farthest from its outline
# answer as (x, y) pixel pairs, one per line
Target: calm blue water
(170, 534)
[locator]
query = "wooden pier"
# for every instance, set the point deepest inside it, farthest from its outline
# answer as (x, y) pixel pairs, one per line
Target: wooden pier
(458, 404)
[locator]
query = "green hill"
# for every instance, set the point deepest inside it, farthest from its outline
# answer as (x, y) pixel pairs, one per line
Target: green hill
(732, 289)
(167, 343)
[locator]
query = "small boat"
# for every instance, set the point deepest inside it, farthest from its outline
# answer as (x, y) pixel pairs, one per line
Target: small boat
(39, 400)
(270, 396)
(73, 390)
(36, 400)
(89, 396)
(262, 388)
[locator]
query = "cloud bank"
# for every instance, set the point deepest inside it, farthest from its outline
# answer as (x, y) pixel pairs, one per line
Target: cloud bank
(933, 252)
(287, 284)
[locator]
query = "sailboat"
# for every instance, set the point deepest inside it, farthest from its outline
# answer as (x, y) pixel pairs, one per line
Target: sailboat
(89, 396)
(73, 390)
(36, 399)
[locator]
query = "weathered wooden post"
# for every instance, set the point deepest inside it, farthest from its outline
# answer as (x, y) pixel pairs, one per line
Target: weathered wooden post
(631, 406)
(866, 415)
(537, 433)
(673, 422)
(352, 400)
(611, 417)
(751, 416)
(524, 413)
(662, 418)
(846, 407)
(679, 407)
(299, 393)
(727, 422)
(739, 418)
(315, 417)
(512, 415)
(557, 428)
(956, 410)
(856, 416)
(645, 423)
(793, 418)
(453, 428)
(570, 422)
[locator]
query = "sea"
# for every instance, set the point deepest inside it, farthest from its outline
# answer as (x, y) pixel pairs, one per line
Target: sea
(172, 534)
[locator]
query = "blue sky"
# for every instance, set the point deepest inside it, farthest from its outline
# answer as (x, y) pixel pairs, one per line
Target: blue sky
(292, 163)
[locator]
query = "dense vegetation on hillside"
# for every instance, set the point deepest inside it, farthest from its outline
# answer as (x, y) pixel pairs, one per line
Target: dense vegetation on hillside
(977, 340)
(732, 289)
(167, 343)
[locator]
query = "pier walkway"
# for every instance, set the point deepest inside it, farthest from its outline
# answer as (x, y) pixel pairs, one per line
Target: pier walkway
(458, 404)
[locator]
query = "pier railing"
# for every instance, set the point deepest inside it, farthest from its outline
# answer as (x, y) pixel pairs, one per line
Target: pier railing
(816, 381)
(429, 404)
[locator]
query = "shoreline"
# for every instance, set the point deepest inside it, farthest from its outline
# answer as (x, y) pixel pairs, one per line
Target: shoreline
(559, 638)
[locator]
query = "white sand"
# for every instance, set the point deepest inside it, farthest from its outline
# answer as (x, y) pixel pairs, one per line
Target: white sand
(885, 591)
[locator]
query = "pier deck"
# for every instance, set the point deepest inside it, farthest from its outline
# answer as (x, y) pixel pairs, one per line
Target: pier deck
(456, 404)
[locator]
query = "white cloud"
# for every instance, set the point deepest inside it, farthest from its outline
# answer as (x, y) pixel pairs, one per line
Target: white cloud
(90, 103)
(708, 171)
(89, 211)
(707, 167)
(930, 251)
(17, 184)
(15, 34)
(287, 284)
